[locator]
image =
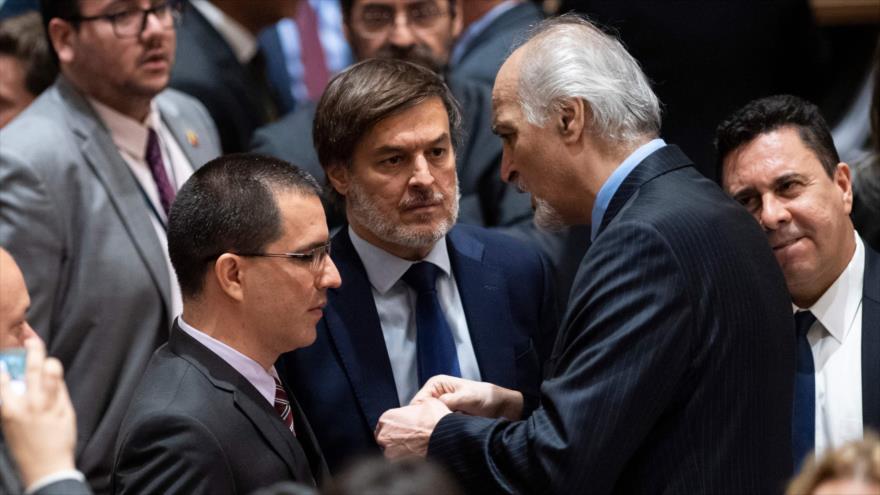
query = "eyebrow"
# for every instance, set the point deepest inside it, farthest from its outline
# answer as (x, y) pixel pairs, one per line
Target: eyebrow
(311, 246)
(397, 149)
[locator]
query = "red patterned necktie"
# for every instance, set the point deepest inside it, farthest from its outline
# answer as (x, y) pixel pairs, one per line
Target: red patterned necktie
(282, 405)
(157, 169)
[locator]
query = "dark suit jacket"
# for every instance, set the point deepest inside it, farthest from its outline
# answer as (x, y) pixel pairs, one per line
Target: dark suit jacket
(489, 49)
(485, 199)
(206, 68)
(871, 341)
(344, 380)
(197, 426)
(673, 369)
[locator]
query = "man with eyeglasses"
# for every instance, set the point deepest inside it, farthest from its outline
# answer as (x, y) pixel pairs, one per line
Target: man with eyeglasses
(249, 242)
(419, 31)
(219, 62)
(89, 172)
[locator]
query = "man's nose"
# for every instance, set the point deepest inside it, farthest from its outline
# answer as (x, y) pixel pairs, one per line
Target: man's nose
(774, 212)
(402, 34)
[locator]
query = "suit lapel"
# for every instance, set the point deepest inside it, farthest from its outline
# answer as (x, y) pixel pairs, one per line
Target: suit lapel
(247, 400)
(186, 136)
(871, 340)
(104, 159)
(482, 288)
(357, 334)
(663, 160)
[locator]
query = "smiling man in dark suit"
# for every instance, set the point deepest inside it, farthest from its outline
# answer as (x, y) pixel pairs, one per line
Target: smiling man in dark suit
(420, 296)
(672, 370)
(249, 243)
(778, 159)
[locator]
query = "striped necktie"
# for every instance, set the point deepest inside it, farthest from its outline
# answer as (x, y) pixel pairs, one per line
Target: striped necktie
(282, 405)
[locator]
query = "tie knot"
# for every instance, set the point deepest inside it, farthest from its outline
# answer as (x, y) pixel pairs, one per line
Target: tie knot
(422, 276)
(803, 320)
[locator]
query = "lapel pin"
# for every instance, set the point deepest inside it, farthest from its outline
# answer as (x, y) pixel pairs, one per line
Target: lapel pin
(193, 138)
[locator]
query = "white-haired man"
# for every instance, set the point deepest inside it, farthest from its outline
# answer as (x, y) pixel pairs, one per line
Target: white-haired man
(672, 371)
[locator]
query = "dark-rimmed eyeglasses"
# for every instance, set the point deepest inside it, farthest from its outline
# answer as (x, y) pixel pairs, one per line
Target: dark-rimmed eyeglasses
(314, 258)
(378, 19)
(131, 23)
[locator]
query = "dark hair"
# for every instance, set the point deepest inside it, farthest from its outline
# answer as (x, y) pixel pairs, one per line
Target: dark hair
(768, 114)
(377, 476)
(368, 92)
(229, 205)
(23, 37)
(62, 9)
(347, 5)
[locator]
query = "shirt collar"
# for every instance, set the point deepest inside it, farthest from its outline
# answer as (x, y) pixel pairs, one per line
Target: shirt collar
(242, 41)
(128, 134)
(384, 269)
(263, 380)
(616, 179)
(471, 32)
(838, 306)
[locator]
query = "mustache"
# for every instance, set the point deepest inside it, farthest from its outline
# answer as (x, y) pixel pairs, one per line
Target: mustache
(418, 54)
(422, 197)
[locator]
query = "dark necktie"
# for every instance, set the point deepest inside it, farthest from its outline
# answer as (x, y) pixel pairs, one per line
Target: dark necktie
(311, 52)
(434, 343)
(803, 425)
(157, 169)
(282, 405)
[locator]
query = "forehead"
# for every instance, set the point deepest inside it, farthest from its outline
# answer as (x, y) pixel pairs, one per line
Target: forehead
(91, 7)
(415, 125)
(395, 3)
(302, 218)
(769, 156)
(505, 100)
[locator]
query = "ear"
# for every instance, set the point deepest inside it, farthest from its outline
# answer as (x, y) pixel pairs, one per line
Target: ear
(339, 178)
(571, 119)
(843, 180)
(61, 34)
(228, 274)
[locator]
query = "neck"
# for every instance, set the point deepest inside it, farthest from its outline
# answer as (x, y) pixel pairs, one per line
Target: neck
(806, 295)
(603, 158)
(223, 323)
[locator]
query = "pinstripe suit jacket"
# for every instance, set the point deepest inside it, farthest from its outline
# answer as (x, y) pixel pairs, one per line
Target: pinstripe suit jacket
(673, 368)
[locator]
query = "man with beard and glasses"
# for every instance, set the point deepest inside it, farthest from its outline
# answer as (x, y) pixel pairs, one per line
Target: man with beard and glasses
(419, 31)
(421, 296)
(777, 158)
(89, 172)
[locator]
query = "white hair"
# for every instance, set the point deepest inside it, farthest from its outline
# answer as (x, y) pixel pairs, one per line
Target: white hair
(568, 57)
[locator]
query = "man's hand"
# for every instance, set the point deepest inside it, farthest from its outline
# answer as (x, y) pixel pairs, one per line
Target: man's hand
(474, 398)
(405, 431)
(39, 425)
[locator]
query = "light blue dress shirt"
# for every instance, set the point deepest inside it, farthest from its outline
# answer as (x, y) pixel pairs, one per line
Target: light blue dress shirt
(616, 179)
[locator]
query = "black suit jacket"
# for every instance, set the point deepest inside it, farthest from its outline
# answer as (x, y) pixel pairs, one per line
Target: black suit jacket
(871, 341)
(488, 50)
(485, 199)
(344, 380)
(237, 97)
(196, 426)
(673, 369)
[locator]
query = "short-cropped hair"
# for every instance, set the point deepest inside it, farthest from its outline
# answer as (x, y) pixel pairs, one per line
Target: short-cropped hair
(229, 205)
(765, 115)
(24, 38)
(368, 92)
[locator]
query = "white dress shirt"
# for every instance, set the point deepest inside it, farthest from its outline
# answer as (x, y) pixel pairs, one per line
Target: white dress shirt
(130, 137)
(836, 342)
(242, 41)
(262, 379)
(395, 303)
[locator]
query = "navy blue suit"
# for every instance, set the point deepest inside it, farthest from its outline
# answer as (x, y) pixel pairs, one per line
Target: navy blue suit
(344, 381)
(673, 370)
(871, 341)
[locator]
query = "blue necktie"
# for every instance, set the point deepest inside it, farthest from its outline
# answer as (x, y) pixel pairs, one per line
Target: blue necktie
(434, 343)
(803, 425)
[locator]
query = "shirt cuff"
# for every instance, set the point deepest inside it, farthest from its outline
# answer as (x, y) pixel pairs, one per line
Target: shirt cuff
(67, 474)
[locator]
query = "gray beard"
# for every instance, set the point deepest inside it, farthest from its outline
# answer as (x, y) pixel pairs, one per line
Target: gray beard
(547, 218)
(362, 209)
